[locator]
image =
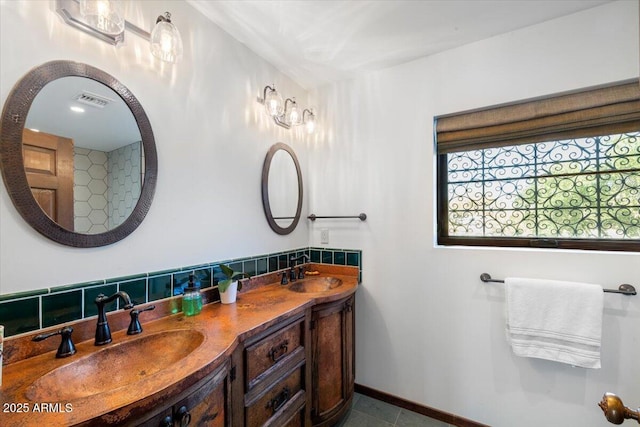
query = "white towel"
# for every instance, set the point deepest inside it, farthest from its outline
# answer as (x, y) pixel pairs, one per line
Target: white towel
(555, 320)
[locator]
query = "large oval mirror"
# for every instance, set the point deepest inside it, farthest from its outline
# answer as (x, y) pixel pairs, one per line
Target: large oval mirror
(78, 154)
(282, 188)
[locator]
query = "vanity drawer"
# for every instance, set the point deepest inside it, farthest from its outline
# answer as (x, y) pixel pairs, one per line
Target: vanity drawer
(297, 420)
(293, 415)
(276, 348)
(278, 401)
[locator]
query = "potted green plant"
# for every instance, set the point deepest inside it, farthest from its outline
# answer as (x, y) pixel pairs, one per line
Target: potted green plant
(230, 286)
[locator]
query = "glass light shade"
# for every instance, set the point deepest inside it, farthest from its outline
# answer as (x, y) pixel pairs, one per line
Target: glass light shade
(103, 15)
(294, 116)
(166, 42)
(310, 123)
(273, 103)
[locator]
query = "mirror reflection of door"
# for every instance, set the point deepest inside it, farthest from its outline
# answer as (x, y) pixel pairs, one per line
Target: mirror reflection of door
(48, 163)
(107, 162)
(283, 188)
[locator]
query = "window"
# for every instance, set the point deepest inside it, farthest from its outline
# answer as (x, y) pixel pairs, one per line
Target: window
(562, 171)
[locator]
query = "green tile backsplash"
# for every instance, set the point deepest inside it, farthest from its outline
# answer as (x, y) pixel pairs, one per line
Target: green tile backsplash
(273, 263)
(61, 307)
(355, 259)
(136, 289)
(160, 287)
(20, 315)
(262, 266)
(249, 267)
(28, 311)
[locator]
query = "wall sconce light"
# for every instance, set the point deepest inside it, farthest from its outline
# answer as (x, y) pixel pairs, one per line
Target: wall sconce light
(104, 19)
(286, 113)
(104, 16)
(166, 42)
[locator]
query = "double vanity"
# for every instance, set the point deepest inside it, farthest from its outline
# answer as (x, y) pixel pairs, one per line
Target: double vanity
(282, 355)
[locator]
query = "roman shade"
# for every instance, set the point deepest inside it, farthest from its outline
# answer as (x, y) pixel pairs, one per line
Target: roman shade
(597, 111)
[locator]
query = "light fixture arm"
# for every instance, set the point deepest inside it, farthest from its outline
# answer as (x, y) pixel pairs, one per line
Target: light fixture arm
(309, 112)
(71, 13)
(279, 120)
(164, 18)
(69, 10)
(271, 88)
(137, 30)
(293, 101)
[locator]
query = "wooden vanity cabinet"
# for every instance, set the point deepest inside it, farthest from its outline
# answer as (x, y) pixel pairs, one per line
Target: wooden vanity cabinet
(270, 376)
(332, 360)
(204, 404)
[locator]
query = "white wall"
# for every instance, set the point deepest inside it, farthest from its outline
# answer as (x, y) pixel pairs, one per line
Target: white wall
(427, 329)
(438, 338)
(211, 139)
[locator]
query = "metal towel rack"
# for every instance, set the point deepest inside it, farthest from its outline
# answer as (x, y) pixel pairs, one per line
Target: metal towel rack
(624, 289)
(361, 217)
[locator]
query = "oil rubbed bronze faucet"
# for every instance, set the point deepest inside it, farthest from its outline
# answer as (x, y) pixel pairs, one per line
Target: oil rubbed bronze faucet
(66, 347)
(134, 326)
(103, 333)
(292, 264)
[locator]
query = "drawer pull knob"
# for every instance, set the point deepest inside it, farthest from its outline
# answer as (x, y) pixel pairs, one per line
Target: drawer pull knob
(278, 352)
(184, 417)
(348, 306)
(278, 402)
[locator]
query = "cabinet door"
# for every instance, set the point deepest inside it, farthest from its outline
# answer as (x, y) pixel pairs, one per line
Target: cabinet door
(204, 407)
(332, 364)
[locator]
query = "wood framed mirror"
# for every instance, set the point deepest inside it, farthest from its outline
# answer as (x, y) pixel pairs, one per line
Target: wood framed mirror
(60, 187)
(282, 188)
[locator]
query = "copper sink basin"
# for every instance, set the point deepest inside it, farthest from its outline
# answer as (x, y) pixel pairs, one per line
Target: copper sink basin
(315, 285)
(115, 366)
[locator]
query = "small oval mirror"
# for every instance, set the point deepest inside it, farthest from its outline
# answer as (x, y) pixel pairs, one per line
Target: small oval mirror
(282, 189)
(77, 154)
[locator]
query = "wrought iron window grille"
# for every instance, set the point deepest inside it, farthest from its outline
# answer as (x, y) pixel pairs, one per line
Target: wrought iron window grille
(576, 189)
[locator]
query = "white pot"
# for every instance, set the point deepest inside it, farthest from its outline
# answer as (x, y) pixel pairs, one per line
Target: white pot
(229, 296)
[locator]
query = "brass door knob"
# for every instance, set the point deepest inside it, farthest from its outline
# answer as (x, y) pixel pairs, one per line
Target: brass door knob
(614, 410)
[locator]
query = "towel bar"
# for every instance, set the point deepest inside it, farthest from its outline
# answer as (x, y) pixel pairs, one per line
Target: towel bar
(624, 289)
(361, 217)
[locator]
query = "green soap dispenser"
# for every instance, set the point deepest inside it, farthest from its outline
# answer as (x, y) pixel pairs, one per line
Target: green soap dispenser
(191, 299)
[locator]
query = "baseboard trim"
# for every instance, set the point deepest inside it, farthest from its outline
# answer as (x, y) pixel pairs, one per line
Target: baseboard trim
(415, 407)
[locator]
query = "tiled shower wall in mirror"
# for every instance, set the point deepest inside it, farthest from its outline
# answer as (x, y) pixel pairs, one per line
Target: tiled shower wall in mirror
(106, 186)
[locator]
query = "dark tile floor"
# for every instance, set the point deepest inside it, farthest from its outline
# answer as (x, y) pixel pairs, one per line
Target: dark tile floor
(368, 412)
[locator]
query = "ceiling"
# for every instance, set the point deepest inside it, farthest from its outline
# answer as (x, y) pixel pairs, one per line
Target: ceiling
(104, 127)
(318, 41)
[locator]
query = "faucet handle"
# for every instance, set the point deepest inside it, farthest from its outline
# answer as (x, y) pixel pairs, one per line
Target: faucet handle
(66, 347)
(284, 279)
(134, 326)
